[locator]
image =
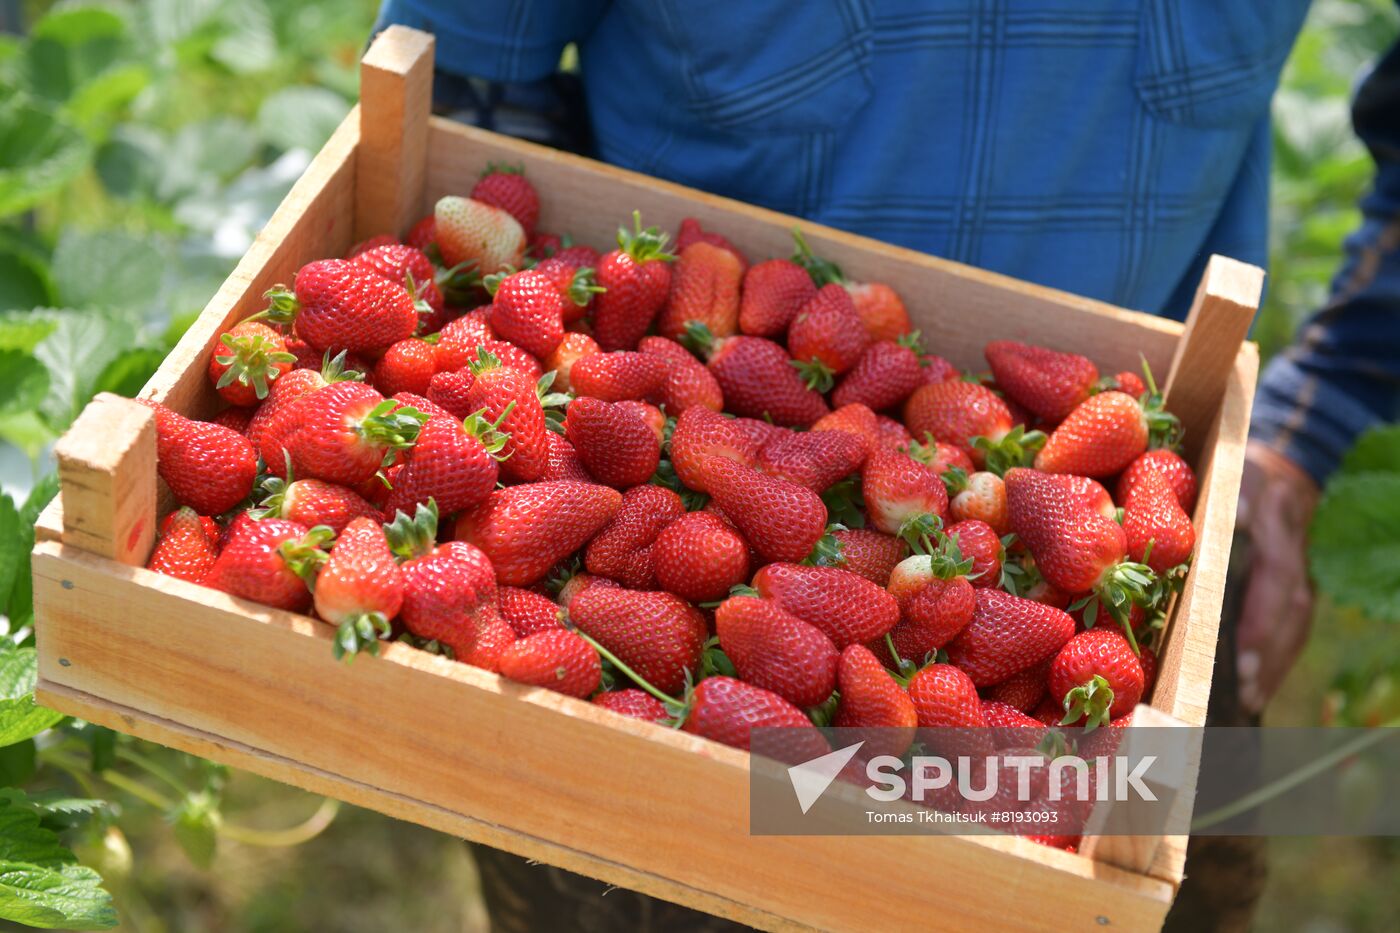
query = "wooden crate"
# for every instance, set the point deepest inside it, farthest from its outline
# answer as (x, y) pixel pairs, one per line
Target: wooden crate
(552, 778)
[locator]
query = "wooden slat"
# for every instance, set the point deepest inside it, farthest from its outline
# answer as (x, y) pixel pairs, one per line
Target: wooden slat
(958, 307)
(396, 96)
(525, 761)
(107, 468)
(1225, 303)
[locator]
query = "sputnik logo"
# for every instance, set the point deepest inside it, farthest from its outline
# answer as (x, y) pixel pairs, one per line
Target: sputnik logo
(811, 778)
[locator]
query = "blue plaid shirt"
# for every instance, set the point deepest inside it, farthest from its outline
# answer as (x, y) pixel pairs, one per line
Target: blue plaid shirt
(1105, 148)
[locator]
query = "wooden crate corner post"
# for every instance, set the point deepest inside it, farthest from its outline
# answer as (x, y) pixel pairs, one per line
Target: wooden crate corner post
(107, 477)
(396, 96)
(1225, 303)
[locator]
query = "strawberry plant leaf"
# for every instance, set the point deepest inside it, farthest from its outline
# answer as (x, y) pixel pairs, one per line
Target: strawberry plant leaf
(41, 883)
(24, 281)
(78, 350)
(300, 117)
(17, 762)
(107, 269)
(11, 557)
(196, 824)
(20, 717)
(1354, 543)
(1377, 450)
(40, 153)
(24, 382)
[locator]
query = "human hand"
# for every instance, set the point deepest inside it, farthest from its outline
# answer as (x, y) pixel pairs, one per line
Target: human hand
(1277, 499)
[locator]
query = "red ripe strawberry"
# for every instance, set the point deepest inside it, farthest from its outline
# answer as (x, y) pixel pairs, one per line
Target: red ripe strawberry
(1148, 659)
(1007, 635)
(269, 561)
(848, 608)
(657, 635)
(564, 462)
(636, 278)
(528, 311)
(783, 521)
(580, 581)
(527, 612)
(460, 339)
(340, 433)
(774, 291)
(312, 502)
(515, 359)
(1022, 691)
(940, 456)
(450, 392)
(1159, 531)
(360, 588)
(422, 404)
(1104, 434)
(1013, 728)
(776, 650)
(886, 374)
(761, 433)
(897, 487)
(557, 659)
(1096, 677)
(893, 435)
(1076, 550)
(339, 304)
(759, 381)
(937, 369)
(506, 187)
(472, 231)
(691, 232)
(869, 553)
(854, 419)
(872, 701)
(813, 459)
(250, 356)
(1090, 494)
(637, 704)
(442, 604)
(526, 530)
(699, 557)
(571, 349)
(1169, 463)
(480, 573)
(422, 234)
(411, 268)
(955, 412)
(932, 616)
(208, 467)
(544, 245)
(616, 376)
(827, 338)
(725, 710)
(979, 542)
(979, 496)
(616, 446)
(407, 366)
(688, 384)
(510, 402)
(705, 287)
(452, 464)
(701, 434)
(1045, 382)
(945, 697)
(212, 529)
(235, 419)
(1131, 383)
(580, 256)
(578, 286)
(880, 309)
(185, 549)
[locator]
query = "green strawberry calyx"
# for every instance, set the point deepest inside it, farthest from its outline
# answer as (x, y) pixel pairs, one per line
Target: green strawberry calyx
(502, 168)
(484, 362)
(391, 426)
(489, 433)
(1121, 587)
(584, 286)
(1017, 448)
(360, 633)
(822, 271)
(306, 555)
(251, 360)
(274, 490)
(1164, 429)
(414, 536)
(492, 282)
(643, 245)
(282, 306)
(333, 369)
(698, 338)
(955, 480)
(912, 341)
(816, 375)
(827, 552)
(1089, 702)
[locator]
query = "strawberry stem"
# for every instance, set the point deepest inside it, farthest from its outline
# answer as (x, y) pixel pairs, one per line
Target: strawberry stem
(583, 287)
(1090, 702)
(822, 271)
(643, 245)
(636, 678)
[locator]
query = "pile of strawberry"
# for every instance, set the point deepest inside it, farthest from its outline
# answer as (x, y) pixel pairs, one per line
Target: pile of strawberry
(694, 489)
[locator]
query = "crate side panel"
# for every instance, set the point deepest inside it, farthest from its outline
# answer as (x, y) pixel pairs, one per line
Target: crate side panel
(674, 803)
(959, 307)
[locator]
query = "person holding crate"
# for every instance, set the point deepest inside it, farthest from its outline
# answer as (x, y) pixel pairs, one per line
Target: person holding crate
(1106, 151)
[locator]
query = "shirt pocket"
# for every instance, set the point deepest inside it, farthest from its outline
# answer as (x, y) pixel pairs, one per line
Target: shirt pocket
(773, 65)
(1213, 64)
